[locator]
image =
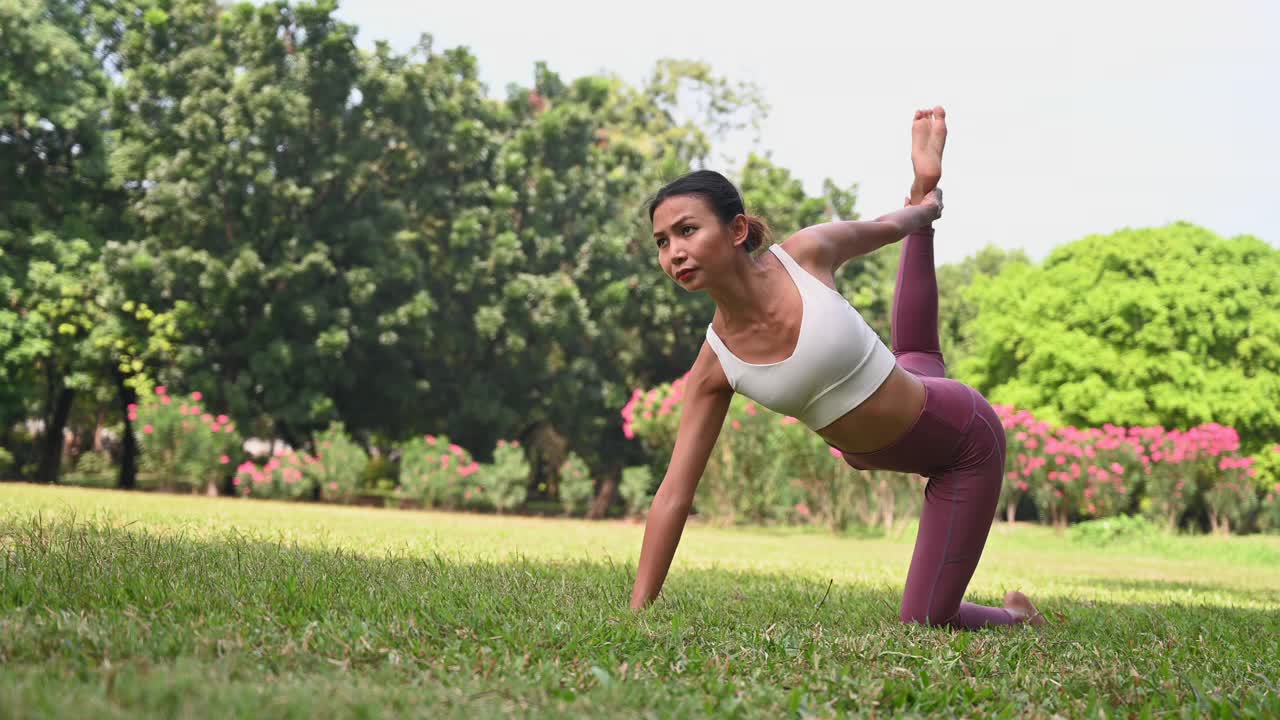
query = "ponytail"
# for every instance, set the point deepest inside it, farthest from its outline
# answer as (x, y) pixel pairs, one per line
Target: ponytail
(758, 233)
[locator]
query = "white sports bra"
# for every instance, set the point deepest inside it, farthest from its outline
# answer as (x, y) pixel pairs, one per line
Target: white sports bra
(838, 361)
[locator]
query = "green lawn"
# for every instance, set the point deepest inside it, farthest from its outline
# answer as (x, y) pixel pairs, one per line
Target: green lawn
(134, 605)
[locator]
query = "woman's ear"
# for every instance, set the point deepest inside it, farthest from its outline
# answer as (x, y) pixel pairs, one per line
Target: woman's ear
(740, 230)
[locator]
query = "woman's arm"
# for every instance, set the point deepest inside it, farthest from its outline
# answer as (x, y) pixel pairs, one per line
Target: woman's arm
(832, 244)
(706, 402)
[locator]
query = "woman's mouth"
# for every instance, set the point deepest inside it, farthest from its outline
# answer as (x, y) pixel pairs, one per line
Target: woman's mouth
(685, 274)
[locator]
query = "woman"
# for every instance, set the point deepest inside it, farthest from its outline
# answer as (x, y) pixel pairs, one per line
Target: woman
(784, 337)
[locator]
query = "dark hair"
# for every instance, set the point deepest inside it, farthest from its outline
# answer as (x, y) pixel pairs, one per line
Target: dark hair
(721, 195)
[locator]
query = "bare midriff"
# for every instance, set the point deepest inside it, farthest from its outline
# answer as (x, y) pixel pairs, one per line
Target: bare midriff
(882, 418)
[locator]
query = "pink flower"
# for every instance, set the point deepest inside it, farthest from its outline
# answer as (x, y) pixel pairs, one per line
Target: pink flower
(207, 418)
(788, 420)
(164, 400)
(224, 459)
(737, 425)
(147, 429)
(197, 396)
(160, 390)
(750, 409)
(133, 407)
(333, 486)
(431, 439)
(627, 431)
(235, 481)
(1022, 485)
(455, 449)
(835, 452)
(223, 419)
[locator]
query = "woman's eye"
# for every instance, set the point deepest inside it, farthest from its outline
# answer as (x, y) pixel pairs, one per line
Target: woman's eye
(662, 242)
(686, 230)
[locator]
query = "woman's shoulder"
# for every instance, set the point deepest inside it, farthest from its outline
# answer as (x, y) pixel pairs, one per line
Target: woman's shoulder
(707, 374)
(809, 252)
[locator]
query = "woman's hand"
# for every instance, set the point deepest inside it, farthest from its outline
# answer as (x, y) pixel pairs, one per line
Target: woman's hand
(933, 200)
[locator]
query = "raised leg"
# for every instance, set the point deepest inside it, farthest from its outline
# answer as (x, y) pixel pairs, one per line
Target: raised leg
(914, 322)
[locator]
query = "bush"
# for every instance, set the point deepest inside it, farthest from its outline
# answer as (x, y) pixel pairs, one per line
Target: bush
(575, 485)
(6, 461)
(180, 443)
(93, 468)
(1114, 529)
(337, 466)
(438, 473)
(1269, 510)
(636, 489)
(505, 483)
(282, 477)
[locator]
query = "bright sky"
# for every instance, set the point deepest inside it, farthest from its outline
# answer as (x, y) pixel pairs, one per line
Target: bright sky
(1066, 119)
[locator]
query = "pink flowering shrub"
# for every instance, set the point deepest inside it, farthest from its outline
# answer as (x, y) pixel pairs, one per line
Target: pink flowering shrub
(745, 477)
(181, 442)
(439, 473)
(280, 477)
(1178, 464)
(769, 468)
(1025, 465)
(1232, 499)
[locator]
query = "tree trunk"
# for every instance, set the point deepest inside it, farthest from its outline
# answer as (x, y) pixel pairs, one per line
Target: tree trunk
(125, 395)
(56, 422)
(1010, 510)
(608, 490)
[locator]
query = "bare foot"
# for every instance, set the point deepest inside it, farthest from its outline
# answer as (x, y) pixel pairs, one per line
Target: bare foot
(928, 138)
(1020, 607)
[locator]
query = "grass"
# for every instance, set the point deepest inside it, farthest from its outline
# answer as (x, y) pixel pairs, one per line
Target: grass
(144, 605)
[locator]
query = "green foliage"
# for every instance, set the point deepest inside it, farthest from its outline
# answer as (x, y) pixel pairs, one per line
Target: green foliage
(338, 465)
(282, 477)
(1267, 468)
(438, 473)
(505, 482)
(1169, 326)
(575, 485)
(1108, 530)
(636, 489)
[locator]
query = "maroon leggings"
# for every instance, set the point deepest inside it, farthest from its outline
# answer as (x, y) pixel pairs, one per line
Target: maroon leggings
(957, 442)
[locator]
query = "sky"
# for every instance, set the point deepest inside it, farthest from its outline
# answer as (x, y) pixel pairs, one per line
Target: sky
(1066, 119)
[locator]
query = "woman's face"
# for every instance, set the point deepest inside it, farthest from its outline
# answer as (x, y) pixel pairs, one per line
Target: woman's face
(693, 243)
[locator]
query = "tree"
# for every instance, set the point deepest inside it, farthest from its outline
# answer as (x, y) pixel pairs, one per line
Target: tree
(1170, 326)
(53, 92)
